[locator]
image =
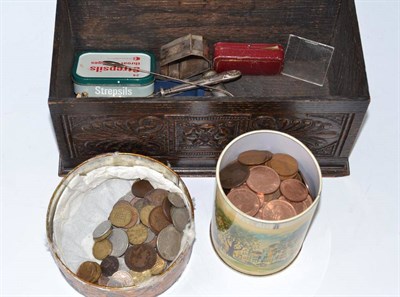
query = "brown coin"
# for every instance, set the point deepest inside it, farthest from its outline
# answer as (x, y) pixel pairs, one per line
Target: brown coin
(180, 217)
(103, 280)
(245, 200)
(145, 213)
(109, 265)
(233, 175)
(294, 190)
(298, 206)
(159, 266)
(134, 200)
(121, 215)
(157, 220)
(137, 234)
(134, 217)
(263, 179)
(283, 164)
(140, 257)
(277, 210)
(260, 198)
(156, 196)
(166, 207)
(272, 196)
(102, 249)
(142, 202)
(141, 187)
(169, 243)
(308, 201)
(89, 271)
(254, 157)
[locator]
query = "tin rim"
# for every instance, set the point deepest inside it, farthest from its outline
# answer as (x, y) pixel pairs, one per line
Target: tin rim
(219, 186)
(51, 209)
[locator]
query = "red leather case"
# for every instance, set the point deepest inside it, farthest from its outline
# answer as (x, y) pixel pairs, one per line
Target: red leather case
(249, 58)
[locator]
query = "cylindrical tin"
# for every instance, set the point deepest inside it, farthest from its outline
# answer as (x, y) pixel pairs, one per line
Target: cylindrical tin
(251, 245)
(114, 170)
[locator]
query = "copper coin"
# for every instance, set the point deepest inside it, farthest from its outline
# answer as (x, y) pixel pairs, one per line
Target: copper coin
(89, 271)
(233, 175)
(180, 217)
(169, 243)
(263, 179)
(141, 187)
(140, 257)
(134, 200)
(245, 200)
(276, 210)
(157, 220)
(166, 207)
(156, 196)
(294, 190)
(298, 206)
(284, 164)
(272, 196)
(134, 217)
(176, 199)
(308, 201)
(109, 265)
(254, 157)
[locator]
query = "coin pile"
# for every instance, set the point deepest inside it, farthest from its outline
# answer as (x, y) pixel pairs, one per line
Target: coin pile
(141, 237)
(266, 186)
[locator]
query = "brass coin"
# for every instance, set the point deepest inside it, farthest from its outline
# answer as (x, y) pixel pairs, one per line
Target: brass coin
(102, 231)
(176, 199)
(166, 207)
(277, 210)
(140, 257)
(120, 215)
(144, 214)
(180, 217)
(157, 220)
(102, 249)
(140, 277)
(141, 187)
(294, 190)
(159, 267)
(298, 206)
(89, 271)
(254, 157)
(263, 179)
(169, 243)
(137, 234)
(233, 175)
(156, 196)
(109, 265)
(283, 164)
(245, 200)
(134, 217)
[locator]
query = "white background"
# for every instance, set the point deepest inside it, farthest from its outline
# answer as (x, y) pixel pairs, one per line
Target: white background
(352, 248)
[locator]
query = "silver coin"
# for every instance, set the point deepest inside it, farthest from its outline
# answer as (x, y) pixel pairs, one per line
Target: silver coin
(122, 264)
(150, 236)
(180, 217)
(169, 243)
(102, 229)
(142, 202)
(176, 199)
(123, 277)
(114, 283)
(119, 240)
(127, 197)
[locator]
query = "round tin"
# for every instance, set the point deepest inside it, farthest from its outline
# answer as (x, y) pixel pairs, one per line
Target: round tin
(90, 76)
(118, 168)
(251, 245)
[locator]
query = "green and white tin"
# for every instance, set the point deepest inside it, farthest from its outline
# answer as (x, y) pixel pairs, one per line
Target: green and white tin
(94, 79)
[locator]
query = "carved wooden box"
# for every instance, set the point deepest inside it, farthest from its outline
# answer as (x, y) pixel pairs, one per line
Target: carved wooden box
(188, 133)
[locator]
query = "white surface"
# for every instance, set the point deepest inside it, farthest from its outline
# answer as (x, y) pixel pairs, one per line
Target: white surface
(352, 248)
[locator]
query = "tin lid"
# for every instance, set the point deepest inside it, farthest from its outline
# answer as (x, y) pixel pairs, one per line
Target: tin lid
(89, 69)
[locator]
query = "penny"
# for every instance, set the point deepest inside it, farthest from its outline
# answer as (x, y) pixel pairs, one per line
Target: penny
(308, 201)
(294, 190)
(141, 203)
(156, 196)
(159, 266)
(103, 280)
(233, 175)
(157, 220)
(169, 243)
(277, 210)
(176, 199)
(298, 206)
(102, 249)
(166, 207)
(260, 198)
(140, 277)
(144, 214)
(140, 257)
(89, 271)
(134, 200)
(263, 179)
(283, 164)
(245, 200)
(120, 215)
(134, 217)
(137, 234)
(102, 231)
(123, 277)
(254, 157)
(120, 242)
(180, 218)
(109, 265)
(272, 196)
(141, 187)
